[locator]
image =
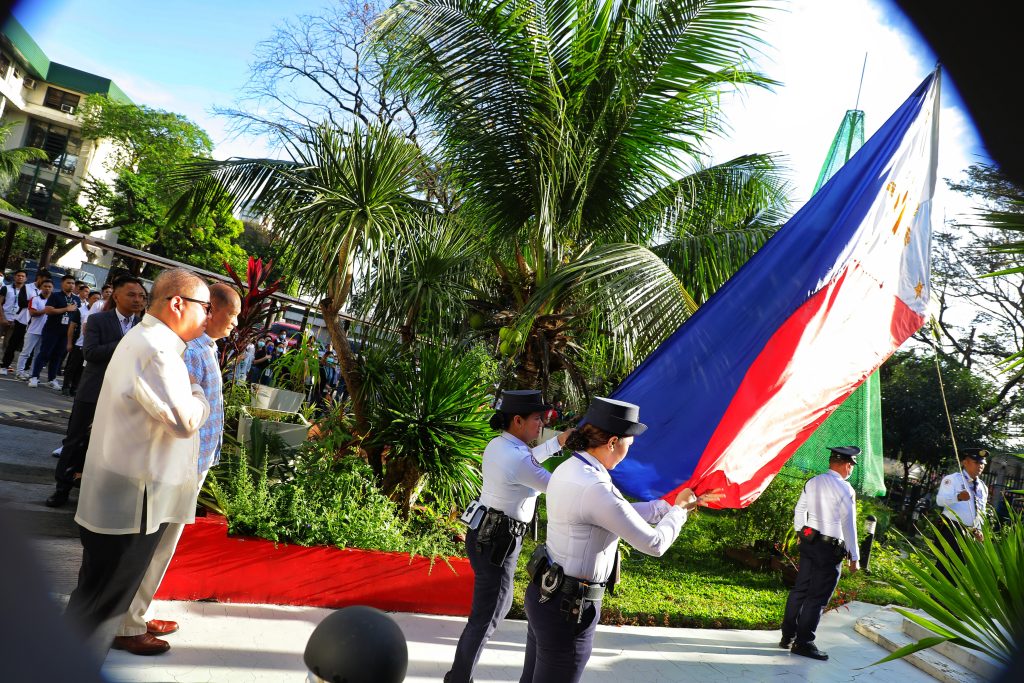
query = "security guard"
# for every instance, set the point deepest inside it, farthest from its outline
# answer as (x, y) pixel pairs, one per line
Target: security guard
(963, 496)
(826, 521)
(586, 517)
(512, 480)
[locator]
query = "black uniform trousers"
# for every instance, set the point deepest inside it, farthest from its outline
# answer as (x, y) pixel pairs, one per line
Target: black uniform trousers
(954, 532)
(73, 370)
(820, 566)
(76, 443)
(13, 344)
(492, 599)
(557, 648)
(113, 566)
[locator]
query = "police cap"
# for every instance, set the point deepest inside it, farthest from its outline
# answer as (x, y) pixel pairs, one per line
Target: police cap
(521, 402)
(978, 454)
(844, 454)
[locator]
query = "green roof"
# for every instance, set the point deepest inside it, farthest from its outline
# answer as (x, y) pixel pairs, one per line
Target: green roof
(38, 65)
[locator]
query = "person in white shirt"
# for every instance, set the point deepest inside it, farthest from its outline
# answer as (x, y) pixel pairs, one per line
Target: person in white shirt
(76, 338)
(587, 515)
(141, 468)
(512, 481)
(13, 316)
(826, 521)
(34, 331)
(963, 496)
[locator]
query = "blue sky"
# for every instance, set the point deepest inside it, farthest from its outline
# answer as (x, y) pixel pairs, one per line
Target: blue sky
(188, 56)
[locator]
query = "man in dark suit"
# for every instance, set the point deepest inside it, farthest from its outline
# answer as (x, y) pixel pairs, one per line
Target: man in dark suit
(102, 333)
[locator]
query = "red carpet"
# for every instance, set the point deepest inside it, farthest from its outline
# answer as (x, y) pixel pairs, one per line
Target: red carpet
(209, 564)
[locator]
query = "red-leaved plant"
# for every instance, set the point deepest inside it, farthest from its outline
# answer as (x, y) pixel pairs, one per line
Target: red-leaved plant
(255, 305)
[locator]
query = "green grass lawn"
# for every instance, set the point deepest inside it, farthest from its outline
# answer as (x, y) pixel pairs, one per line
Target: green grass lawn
(694, 585)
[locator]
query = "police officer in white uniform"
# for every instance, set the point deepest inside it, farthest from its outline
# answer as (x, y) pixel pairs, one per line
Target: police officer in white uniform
(826, 521)
(512, 480)
(586, 517)
(963, 496)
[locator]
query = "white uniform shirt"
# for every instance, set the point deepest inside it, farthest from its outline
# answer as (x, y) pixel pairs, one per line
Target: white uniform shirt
(145, 444)
(83, 315)
(11, 302)
(31, 290)
(513, 477)
(36, 323)
(829, 504)
(971, 511)
(587, 515)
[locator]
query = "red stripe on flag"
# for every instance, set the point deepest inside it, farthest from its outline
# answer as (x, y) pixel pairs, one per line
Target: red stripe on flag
(764, 379)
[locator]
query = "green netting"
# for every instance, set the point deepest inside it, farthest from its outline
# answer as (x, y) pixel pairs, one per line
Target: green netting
(849, 138)
(858, 421)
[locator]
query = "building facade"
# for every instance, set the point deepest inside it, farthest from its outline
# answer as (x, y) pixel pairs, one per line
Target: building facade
(41, 98)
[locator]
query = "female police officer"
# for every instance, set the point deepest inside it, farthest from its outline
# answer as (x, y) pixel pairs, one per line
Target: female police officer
(586, 517)
(513, 479)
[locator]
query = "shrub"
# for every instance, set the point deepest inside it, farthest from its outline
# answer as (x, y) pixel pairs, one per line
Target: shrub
(328, 501)
(429, 410)
(979, 605)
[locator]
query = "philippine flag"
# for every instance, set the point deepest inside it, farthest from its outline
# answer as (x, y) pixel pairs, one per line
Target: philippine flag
(741, 385)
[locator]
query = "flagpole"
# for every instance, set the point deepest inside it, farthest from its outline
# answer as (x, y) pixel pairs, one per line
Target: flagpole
(863, 68)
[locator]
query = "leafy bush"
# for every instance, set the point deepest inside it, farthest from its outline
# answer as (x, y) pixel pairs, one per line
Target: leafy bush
(768, 520)
(430, 411)
(328, 501)
(980, 605)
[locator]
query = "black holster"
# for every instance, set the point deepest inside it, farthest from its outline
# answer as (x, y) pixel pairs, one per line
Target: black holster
(497, 536)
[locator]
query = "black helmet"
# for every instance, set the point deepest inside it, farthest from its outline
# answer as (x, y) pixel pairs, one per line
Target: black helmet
(357, 645)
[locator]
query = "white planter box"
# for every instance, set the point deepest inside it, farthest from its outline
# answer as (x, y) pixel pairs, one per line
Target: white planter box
(277, 399)
(291, 434)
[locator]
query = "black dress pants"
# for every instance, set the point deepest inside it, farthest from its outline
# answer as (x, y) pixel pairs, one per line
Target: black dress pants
(73, 370)
(492, 599)
(13, 344)
(76, 443)
(557, 649)
(820, 567)
(954, 532)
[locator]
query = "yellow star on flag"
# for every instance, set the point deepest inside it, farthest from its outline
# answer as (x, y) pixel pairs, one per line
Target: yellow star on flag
(917, 289)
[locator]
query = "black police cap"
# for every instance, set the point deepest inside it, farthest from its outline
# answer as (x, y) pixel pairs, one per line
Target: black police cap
(521, 402)
(844, 453)
(615, 417)
(978, 454)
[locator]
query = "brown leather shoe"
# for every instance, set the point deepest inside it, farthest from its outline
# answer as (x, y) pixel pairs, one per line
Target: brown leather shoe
(145, 644)
(159, 627)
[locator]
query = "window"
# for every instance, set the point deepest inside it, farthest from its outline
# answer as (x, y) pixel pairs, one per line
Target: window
(5, 65)
(44, 185)
(59, 143)
(61, 99)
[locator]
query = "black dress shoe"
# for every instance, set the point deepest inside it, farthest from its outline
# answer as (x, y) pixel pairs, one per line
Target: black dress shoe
(787, 641)
(809, 650)
(58, 499)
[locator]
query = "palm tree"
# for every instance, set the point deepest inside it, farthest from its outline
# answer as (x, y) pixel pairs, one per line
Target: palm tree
(339, 201)
(572, 129)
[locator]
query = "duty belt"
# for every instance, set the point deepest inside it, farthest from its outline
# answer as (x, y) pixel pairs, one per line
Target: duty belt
(592, 592)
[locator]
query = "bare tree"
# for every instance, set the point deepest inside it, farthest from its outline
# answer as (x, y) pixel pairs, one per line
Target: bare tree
(981, 319)
(319, 68)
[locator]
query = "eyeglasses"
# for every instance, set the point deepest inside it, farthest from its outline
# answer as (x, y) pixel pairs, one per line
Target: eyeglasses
(207, 306)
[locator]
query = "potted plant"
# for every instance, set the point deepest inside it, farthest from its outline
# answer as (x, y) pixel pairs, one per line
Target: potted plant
(291, 427)
(291, 372)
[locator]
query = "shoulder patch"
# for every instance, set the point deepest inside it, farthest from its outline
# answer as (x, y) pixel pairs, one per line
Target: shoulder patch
(947, 481)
